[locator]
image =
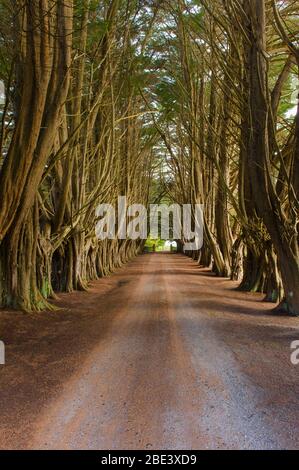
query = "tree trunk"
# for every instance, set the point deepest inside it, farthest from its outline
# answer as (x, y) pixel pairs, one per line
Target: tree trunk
(282, 231)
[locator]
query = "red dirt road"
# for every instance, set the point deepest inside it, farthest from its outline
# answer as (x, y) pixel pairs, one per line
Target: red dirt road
(161, 355)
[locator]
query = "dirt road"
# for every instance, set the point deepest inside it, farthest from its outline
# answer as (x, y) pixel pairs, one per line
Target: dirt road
(160, 355)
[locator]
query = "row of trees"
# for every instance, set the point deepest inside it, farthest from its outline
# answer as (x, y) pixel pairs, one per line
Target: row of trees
(229, 125)
(187, 101)
(72, 137)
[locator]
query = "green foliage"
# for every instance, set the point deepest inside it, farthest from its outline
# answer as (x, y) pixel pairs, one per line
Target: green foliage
(167, 93)
(155, 245)
(288, 95)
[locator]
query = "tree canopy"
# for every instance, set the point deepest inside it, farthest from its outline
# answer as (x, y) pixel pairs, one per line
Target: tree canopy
(186, 101)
